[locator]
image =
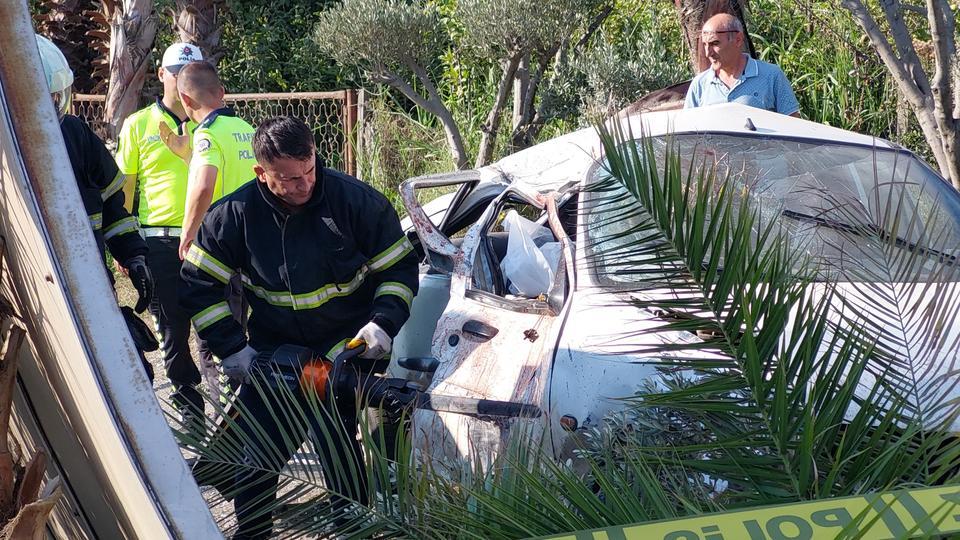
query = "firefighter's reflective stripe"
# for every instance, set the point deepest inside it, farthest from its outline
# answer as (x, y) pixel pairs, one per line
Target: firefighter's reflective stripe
(124, 226)
(318, 297)
(206, 262)
(115, 185)
(337, 349)
(397, 289)
(210, 315)
(96, 221)
(391, 255)
(308, 300)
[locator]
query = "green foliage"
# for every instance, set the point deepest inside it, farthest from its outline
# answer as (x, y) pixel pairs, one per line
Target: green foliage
(269, 48)
(379, 34)
(495, 28)
(398, 146)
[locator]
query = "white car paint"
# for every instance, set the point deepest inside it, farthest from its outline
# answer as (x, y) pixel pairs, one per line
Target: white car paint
(579, 367)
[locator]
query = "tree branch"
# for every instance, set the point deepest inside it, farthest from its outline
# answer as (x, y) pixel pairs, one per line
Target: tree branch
(919, 102)
(492, 125)
(943, 53)
(432, 104)
(389, 78)
(525, 131)
(594, 26)
(893, 11)
(904, 80)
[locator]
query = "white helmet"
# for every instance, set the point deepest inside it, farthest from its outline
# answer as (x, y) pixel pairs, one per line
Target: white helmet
(58, 73)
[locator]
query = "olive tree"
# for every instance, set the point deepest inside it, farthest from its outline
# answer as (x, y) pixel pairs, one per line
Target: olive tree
(525, 37)
(397, 42)
(918, 46)
(394, 42)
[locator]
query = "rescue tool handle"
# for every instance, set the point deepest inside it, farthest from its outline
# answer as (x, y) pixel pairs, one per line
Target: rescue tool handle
(478, 407)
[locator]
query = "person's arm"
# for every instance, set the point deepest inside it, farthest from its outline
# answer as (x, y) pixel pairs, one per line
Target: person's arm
(129, 191)
(203, 181)
(206, 270)
(690, 100)
(393, 264)
(121, 232)
(786, 100)
(128, 160)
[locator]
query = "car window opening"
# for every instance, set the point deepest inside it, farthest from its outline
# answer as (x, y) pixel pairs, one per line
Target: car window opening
(520, 256)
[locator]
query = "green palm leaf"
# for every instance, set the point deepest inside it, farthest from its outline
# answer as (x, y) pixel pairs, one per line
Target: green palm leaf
(785, 376)
(779, 383)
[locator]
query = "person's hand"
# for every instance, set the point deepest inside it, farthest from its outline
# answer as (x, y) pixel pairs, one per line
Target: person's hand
(119, 268)
(185, 244)
(178, 144)
(377, 341)
(237, 365)
(142, 281)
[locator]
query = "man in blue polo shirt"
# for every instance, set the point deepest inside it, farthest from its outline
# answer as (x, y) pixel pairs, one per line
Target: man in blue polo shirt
(734, 77)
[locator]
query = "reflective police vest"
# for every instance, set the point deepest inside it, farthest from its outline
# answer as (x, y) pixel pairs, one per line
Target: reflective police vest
(224, 141)
(161, 174)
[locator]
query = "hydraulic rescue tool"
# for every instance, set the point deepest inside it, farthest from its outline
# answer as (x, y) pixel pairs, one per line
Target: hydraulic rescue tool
(349, 376)
(299, 371)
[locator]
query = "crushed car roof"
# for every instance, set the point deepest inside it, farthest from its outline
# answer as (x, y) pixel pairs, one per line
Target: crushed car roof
(552, 165)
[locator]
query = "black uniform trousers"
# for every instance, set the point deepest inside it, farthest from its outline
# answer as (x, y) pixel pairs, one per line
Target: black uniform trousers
(257, 485)
(173, 323)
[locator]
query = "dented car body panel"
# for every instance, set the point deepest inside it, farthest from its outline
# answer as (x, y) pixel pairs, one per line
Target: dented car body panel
(565, 352)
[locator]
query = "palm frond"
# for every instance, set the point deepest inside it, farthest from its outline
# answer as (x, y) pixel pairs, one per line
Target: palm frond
(802, 393)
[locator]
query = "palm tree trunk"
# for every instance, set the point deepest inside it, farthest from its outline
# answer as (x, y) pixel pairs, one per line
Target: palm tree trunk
(199, 22)
(133, 28)
(693, 13)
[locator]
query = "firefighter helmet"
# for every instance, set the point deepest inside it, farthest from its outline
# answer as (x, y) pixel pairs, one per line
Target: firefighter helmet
(58, 74)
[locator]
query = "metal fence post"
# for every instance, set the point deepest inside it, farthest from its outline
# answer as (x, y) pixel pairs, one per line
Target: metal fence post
(350, 133)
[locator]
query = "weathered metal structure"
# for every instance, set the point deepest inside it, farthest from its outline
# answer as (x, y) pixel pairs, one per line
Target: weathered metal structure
(81, 393)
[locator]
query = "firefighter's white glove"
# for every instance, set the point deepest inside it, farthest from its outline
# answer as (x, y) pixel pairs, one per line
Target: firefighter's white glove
(378, 342)
(237, 365)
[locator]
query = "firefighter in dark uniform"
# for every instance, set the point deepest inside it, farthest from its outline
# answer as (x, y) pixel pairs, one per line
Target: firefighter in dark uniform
(323, 259)
(100, 184)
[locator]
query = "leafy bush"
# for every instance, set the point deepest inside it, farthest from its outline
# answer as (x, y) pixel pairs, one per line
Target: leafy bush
(269, 48)
(379, 35)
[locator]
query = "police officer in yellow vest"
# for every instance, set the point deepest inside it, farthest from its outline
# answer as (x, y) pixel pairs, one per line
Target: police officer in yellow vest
(157, 179)
(220, 161)
(222, 157)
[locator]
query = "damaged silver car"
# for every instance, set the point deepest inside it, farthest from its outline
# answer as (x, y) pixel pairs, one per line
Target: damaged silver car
(517, 302)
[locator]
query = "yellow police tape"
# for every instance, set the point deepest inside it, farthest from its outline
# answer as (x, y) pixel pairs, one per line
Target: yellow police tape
(911, 513)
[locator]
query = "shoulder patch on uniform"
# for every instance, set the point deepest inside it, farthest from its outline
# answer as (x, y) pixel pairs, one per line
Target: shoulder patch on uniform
(203, 145)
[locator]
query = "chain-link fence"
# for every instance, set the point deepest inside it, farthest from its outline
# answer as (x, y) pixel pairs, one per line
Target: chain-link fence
(332, 115)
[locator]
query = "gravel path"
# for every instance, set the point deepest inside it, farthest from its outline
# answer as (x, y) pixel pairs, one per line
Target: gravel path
(222, 511)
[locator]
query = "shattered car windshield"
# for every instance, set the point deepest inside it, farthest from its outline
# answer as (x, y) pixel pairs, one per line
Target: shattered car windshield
(833, 199)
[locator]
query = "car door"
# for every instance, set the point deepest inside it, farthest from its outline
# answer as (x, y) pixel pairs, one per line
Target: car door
(492, 344)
